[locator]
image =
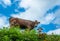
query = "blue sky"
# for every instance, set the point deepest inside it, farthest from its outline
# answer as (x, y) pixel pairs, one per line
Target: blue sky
(47, 12)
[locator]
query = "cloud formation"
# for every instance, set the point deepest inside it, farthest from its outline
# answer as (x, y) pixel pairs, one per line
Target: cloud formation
(3, 21)
(57, 20)
(36, 10)
(57, 31)
(5, 3)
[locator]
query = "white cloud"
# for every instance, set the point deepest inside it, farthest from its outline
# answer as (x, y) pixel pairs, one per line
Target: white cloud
(57, 20)
(3, 21)
(57, 2)
(47, 19)
(25, 3)
(36, 10)
(7, 2)
(57, 31)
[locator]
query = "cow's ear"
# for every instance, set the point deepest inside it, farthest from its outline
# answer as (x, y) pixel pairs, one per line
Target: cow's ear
(35, 20)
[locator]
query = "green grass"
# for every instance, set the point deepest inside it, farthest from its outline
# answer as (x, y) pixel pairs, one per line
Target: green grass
(15, 34)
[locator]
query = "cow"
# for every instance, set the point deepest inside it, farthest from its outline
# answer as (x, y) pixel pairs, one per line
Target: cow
(23, 23)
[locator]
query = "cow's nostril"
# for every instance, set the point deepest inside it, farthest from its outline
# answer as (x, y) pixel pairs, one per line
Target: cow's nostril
(35, 26)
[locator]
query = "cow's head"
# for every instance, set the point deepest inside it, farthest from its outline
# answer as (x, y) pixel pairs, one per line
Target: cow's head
(36, 23)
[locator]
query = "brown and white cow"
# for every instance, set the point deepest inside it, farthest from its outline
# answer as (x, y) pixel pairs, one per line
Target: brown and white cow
(23, 23)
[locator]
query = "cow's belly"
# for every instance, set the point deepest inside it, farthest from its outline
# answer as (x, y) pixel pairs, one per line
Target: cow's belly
(23, 26)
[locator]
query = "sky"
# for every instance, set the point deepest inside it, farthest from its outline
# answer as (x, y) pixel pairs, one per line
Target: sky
(47, 12)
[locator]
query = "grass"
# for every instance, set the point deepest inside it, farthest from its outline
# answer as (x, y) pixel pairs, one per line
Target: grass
(15, 34)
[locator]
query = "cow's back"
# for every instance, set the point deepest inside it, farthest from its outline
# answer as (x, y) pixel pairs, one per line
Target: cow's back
(25, 22)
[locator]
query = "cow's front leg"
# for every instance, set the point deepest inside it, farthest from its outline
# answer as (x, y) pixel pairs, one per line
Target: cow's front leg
(29, 27)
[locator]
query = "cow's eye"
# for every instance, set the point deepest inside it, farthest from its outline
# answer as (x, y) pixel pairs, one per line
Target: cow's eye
(35, 25)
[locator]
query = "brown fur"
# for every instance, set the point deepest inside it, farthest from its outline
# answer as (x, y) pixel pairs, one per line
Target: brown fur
(23, 23)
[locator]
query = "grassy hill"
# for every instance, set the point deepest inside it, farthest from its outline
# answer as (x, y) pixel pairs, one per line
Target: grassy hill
(16, 34)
